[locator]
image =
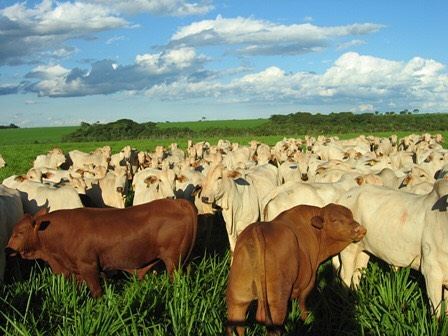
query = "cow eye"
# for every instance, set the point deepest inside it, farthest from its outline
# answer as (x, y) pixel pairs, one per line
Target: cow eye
(219, 177)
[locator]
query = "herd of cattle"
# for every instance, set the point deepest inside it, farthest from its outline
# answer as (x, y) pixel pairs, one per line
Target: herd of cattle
(397, 189)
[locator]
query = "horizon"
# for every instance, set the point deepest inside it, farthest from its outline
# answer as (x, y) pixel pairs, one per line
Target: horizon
(64, 62)
(231, 119)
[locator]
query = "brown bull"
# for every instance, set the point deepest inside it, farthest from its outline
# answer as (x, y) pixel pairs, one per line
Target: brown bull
(82, 242)
(277, 261)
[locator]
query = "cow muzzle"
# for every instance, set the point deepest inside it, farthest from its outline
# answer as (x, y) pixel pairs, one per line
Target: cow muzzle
(304, 177)
(358, 233)
(9, 252)
(205, 199)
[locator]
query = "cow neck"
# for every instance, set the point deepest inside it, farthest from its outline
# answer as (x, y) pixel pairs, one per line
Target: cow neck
(228, 188)
(328, 250)
(320, 236)
(43, 251)
(328, 247)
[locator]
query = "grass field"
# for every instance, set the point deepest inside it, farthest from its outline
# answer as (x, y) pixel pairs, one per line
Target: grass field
(16, 136)
(387, 303)
(202, 125)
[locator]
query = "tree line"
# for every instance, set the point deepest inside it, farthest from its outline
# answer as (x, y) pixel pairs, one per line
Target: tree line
(8, 126)
(298, 123)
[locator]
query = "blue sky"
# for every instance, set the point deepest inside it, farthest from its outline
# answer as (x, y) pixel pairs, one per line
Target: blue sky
(63, 62)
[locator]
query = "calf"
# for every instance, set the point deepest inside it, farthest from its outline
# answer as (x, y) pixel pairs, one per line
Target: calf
(276, 261)
(83, 242)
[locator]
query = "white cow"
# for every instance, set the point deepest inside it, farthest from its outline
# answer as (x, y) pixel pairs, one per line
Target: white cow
(235, 195)
(2, 161)
(99, 157)
(403, 229)
(295, 193)
(150, 184)
(36, 195)
(10, 213)
(53, 159)
(48, 175)
(108, 191)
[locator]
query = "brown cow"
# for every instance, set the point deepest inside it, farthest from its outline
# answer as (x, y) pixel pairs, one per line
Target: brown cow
(82, 242)
(276, 261)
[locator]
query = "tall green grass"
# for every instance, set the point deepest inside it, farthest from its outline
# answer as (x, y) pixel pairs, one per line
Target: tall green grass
(387, 303)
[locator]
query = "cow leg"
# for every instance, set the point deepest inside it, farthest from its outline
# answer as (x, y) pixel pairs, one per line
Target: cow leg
(90, 275)
(278, 308)
(348, 263)
(434, 280)
(232, 243)
(302, 295)
(361, 263)
(236, 316)
(336, 262)
(434, 276)
(141, 272)
(57, 268)
(170, 266)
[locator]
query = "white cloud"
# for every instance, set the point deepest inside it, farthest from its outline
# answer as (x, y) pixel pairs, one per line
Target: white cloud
(159, 7)
(260, 37)
(115, 39)
(30, 33)
(169, 60)
(350, 44)
(353, 79)
(365, 108)
(106, 77)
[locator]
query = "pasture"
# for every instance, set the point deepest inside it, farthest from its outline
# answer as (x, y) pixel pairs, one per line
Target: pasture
(387, 303)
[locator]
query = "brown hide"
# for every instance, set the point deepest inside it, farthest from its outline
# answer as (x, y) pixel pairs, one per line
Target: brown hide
(82, 242)
(277, 261)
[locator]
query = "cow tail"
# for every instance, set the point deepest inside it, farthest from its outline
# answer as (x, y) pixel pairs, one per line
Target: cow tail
(263, 312)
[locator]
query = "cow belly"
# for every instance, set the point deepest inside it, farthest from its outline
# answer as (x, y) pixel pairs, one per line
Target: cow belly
(124, 258)
(134, 252)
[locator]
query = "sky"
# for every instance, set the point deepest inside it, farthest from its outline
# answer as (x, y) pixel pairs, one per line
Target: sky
(64, 62)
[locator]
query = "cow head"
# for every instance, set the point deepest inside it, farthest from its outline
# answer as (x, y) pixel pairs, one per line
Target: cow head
(159, 187)
(215, 186)
(24, 238)
(416, 176)
(337, 222)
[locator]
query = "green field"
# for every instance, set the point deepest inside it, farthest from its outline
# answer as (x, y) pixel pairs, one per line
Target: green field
(16, 136)
(388, 302)
(202, 125)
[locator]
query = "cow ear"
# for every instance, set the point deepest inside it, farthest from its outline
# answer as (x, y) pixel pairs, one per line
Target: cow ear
(41, 212)
(233, 174)
(151, 179)
(48, 175)
(359, 180)
(181, 178)
(40, 225)
(20, 178)
(317, 222)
